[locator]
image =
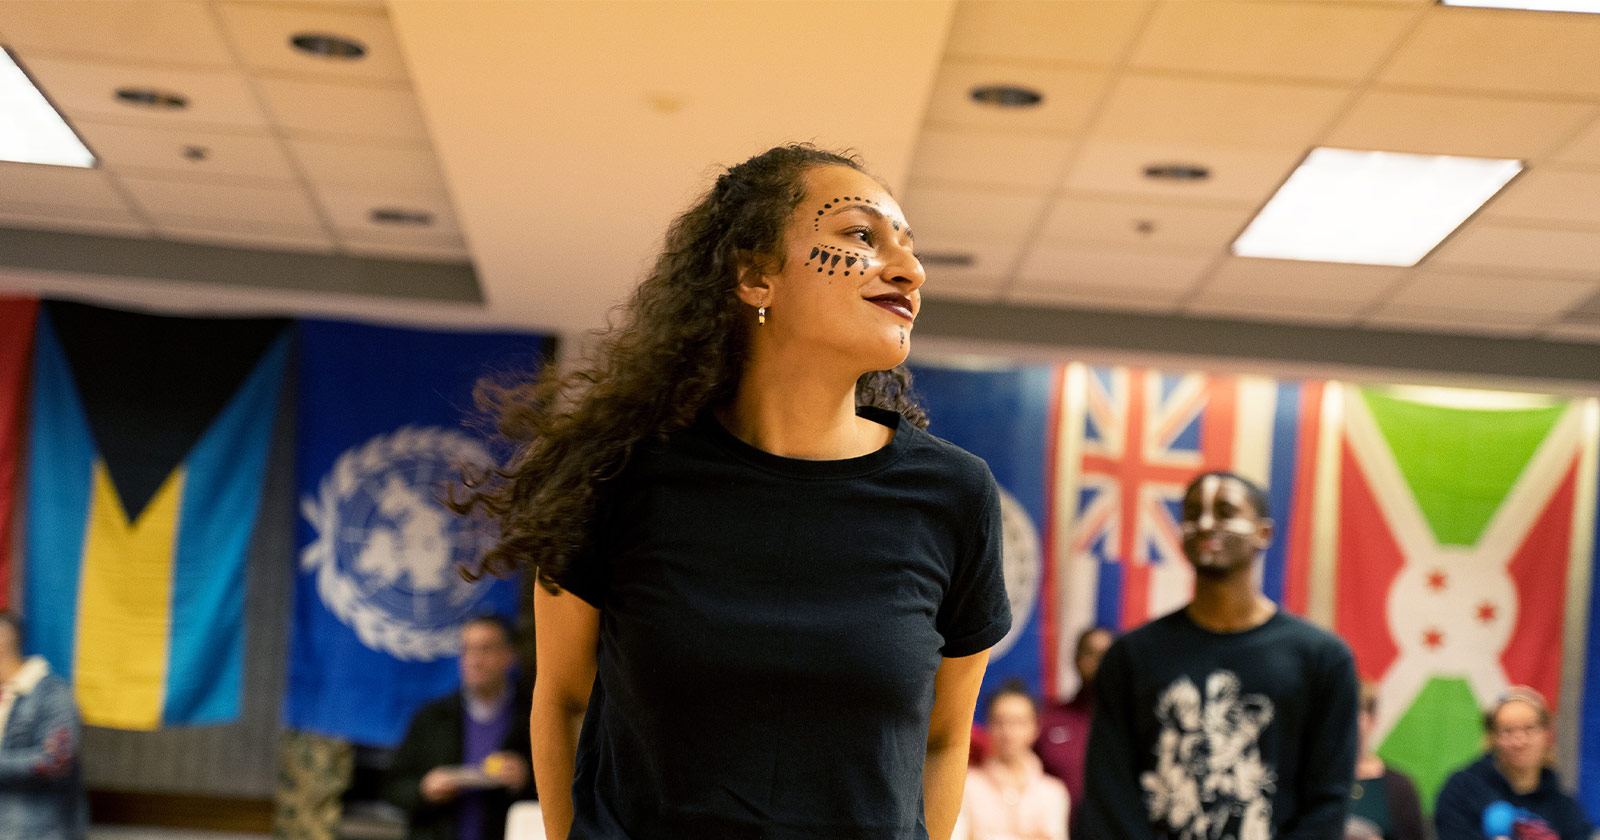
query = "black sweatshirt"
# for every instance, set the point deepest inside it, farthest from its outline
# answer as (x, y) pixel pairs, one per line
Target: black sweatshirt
(1200, 735)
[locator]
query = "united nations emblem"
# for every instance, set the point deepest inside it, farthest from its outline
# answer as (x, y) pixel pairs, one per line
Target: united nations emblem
(1021, 562)
(386, 551)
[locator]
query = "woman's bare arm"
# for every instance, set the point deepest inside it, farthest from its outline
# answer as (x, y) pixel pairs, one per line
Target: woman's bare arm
(567, 633)
(944, 771)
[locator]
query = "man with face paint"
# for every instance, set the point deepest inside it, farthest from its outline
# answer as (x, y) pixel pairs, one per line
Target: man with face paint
(1227, 718)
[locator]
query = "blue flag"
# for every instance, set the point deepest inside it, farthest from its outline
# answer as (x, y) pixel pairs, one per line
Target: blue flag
(1006, 417)
(378, 600)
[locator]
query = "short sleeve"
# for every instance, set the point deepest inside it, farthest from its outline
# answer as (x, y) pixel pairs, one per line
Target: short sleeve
(588, 573)
(975, 613)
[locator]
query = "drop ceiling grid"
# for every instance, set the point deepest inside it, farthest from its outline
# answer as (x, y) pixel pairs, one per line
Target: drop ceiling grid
(205, 49)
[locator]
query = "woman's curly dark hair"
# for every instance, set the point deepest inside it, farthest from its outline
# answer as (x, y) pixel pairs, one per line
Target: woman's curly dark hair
(679, 349)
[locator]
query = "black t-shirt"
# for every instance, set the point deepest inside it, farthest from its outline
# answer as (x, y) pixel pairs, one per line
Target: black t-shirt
(769, 633)
(1202, 734)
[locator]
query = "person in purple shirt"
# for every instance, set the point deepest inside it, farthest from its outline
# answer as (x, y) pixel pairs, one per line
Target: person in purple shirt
(1064, 727)
(465, 757)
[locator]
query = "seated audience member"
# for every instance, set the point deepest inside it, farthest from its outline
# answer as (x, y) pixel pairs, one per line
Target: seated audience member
(1064, 727)
(1009, 797)
(41, 778)
(1383, 801)
(465, 758)
(1511, 792)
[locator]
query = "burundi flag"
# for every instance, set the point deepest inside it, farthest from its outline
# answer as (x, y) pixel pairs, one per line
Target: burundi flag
(1006, 416)
(149, 442)
(1131, 439)
(16, 340)
(1462, 520)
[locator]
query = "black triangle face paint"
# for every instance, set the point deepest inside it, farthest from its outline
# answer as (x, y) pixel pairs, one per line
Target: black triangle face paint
(849, 261)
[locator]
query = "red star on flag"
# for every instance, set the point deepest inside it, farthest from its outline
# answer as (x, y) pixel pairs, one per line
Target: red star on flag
(1436, 580)
(1486, 612)
(1433, 638)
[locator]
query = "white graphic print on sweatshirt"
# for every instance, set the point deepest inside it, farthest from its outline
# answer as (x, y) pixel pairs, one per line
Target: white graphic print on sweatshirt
(1209, 782)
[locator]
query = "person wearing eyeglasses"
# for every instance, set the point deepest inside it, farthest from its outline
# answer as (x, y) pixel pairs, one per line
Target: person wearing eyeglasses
(1383, 801)
(1511, 791)
(1228, 717)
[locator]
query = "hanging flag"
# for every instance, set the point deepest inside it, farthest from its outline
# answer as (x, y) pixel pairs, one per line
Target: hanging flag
(378, 600)
(1460, 515)
(16, 340)
(149, 442)
(1006, 416)
(1131, 440)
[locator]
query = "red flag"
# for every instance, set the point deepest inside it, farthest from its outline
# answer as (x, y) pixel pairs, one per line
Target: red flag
(16, 339)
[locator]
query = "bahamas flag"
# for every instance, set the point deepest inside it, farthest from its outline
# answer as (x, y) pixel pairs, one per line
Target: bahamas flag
(16, 339)
(1465, 524)
(149, 442)
(1005, 416)
(379, 601)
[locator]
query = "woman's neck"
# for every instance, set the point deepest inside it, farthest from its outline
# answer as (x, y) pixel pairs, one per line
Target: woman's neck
(796, 412)
(1014, 768)
(1369, 766)
(1521, 779)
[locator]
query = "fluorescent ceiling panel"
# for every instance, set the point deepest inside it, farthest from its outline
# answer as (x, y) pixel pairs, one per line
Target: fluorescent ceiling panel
(31, 131)
(1590, 6)
(1371, 208)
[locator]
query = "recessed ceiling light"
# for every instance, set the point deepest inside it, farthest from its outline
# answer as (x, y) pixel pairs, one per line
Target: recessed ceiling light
(1177, 172)
(1372, 208)
(401, 216)
(31, 129)
(1590, 6)
(328, 46)
(1006, 96)
(152, 98)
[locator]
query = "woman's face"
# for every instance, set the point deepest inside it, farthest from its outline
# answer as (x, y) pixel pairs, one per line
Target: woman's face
(849, 286)
(1013, 726)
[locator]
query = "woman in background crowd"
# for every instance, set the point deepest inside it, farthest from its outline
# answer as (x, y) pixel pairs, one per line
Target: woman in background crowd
(1383, 801)
(779, 588)
(1009, 797)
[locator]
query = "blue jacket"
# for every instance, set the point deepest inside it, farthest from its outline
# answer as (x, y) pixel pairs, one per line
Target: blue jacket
(1459, 812)
(41, 777)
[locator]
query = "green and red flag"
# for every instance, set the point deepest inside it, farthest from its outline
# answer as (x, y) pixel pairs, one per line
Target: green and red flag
(1460, 518)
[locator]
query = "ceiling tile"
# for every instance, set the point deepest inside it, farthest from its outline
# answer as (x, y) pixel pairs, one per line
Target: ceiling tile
(1565, 196)
(1544, 297)
(1093, 32)
(262, 32)
(1069, 96)
(964, 157)
(1585, 333)
(991, 264)
(430, 247)
(190, 201)
(86, 90)
(937, 213)
(1583, 149)
(985, 291)
(1053, 266)
(1281, 310)
(347, 109)
(165, 32)
(1501, 50)
(1155, 109)
(71, 219)
(1501, 246)
(1457, 124)
(1096, 297)
(351, 212)
(1424, 319)
(276, 237)
(58, 186)
(1323, 283)
(1241, 176)
(1143, 225)
(1291, 40)
(340, 164)
(124, 147)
